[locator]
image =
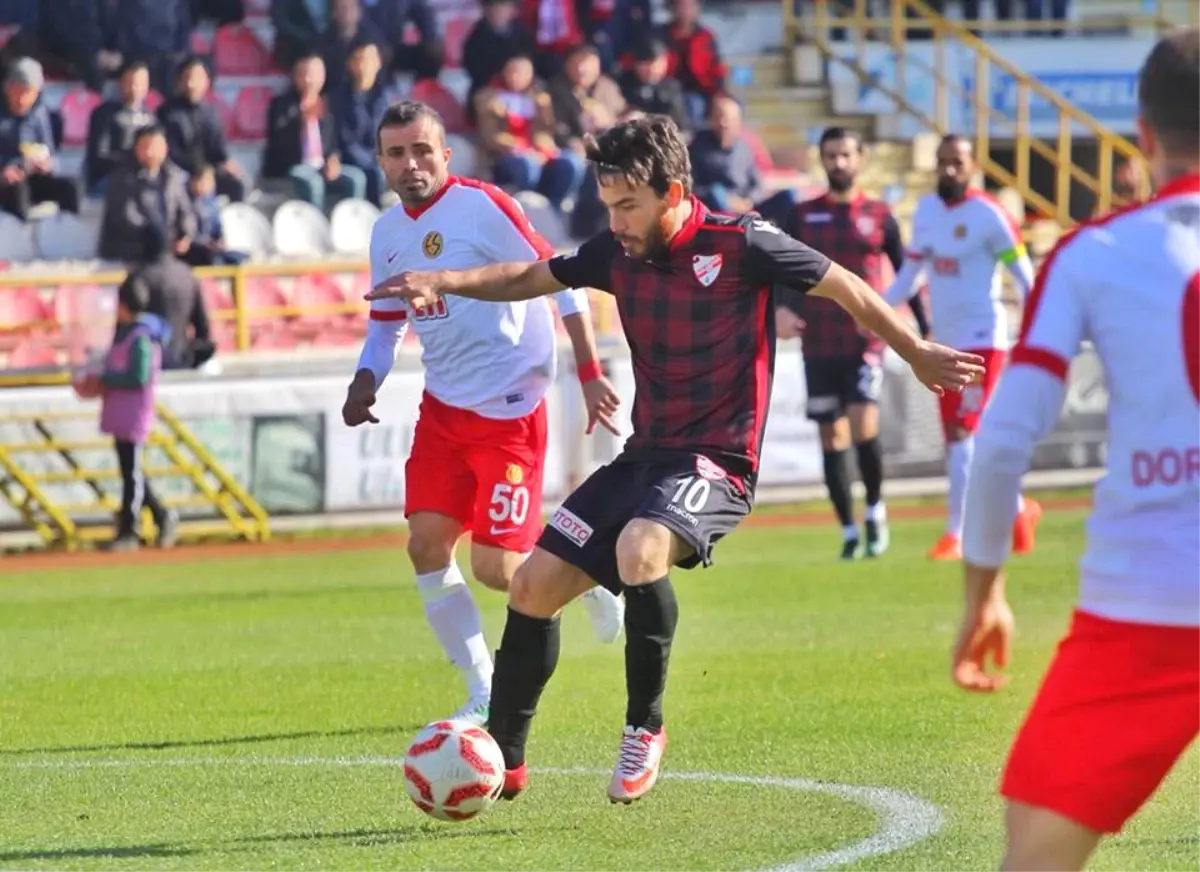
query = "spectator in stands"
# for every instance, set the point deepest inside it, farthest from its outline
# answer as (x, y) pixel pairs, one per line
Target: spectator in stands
(128, 386)
(148, 190)
(175, 297)
(556, 29)
(298, 27)
(67, 36)
(584, 100)
(27, 146)
(208, 246)
(347, 29)
(217, 12)
(612, 26)
(516, 125)
(357, 107)
(497, 36)
(114, 125)
(724, 175)
(302, 145)
(196, 132)
(694, 59)
(397, 19)
(647, 87)
(160, 31)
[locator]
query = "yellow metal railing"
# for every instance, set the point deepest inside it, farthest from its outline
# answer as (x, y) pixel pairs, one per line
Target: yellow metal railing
(36, 491)
(909, 18)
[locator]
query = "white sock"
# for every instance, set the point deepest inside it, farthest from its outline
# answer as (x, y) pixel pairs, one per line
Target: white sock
(958, 465)
(454, 617)
(850, 532)
(877, 513)
(1020, 503)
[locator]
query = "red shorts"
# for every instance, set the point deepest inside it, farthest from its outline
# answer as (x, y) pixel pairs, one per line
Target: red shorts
(1120, 704)
(961, 410)
(483, 472)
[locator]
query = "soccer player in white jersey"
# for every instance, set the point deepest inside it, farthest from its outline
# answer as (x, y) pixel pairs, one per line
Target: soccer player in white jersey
(481, 437)
(960, 238)
(1121, 700)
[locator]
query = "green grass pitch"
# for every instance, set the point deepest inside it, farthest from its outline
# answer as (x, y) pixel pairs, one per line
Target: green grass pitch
(246, 714)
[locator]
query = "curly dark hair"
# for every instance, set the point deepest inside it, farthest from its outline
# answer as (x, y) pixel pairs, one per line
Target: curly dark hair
(1169, 91)
(648, 150)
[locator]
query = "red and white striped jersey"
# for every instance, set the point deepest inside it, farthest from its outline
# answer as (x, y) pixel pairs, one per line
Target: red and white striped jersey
(495, 359)
(1131, 284)
(959, 248)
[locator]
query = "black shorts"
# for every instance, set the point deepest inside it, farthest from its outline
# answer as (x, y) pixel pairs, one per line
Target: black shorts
(837, 382)
(690, 495)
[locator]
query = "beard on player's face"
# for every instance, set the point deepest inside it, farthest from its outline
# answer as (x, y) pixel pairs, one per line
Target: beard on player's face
(951, 188)
(840, 181)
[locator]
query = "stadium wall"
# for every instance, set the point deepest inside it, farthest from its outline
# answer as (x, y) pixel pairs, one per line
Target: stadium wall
(277, 429)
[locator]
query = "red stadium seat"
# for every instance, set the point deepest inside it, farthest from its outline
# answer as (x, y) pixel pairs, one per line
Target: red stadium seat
(22, 310)
(762, 155)
(34, 355)
(77, 107)
(454, 35)
(154, 100)
(265, 294)
(237, 52)
(217, 297)
(443, 100)
(224, 110)
(201, 43)
(275, 340)
(250, 112)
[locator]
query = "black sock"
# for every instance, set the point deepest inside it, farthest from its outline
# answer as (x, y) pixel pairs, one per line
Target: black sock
(524, 663)
(837, 481)
(870, 467)
(651, 613)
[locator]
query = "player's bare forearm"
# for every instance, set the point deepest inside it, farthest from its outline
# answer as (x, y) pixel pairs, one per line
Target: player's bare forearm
(583, 338)
(869, 309)
(501, 282)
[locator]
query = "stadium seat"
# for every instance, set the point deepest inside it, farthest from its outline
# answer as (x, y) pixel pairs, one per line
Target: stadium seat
(250, 113)
(464, 157)
(545, 219)
(275, 340)
(217, 297)
(350, 226)
(247, 229)
(301, 230)
(23, 313)
(16, 240)
(224, 109)
(64, 236)
(76, 108)
(762, 155)
(154, 100)
(438, 96)
(238, 52)
(202, 41)
(34, 355)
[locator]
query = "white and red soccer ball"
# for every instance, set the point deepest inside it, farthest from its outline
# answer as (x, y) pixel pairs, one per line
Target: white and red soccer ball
(453, 770)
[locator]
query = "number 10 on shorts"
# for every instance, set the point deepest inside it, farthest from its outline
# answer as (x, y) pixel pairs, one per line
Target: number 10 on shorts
(692, 494)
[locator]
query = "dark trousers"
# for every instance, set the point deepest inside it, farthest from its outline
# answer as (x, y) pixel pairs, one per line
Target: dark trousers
(135, 490)
(18, 199)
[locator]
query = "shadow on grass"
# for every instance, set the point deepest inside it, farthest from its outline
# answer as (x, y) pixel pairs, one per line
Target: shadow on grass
(116, 853)
(169, 744)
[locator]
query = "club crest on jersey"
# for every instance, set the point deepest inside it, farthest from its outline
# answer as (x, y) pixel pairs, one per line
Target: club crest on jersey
(865, 225)
(514, 474)
(960, 231)
(707, 267)
(432, 244)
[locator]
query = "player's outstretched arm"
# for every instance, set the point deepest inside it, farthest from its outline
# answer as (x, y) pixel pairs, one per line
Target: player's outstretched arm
(497, 282)
(939, 368)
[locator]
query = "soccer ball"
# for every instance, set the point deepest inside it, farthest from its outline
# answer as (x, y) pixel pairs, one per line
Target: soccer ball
(453, 770)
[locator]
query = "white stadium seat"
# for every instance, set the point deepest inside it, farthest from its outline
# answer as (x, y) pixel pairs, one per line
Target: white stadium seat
(301, 230)
(247, 230)
(350, 226)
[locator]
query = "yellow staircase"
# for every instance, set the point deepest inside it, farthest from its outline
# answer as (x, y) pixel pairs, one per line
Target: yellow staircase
(992, 126)
(56, 472)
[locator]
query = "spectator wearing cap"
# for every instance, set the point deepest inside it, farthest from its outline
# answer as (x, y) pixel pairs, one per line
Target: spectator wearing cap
(195, 132)
(347, 29)
(648, 88)
(114, 125)
(160, 31)
(27, 146)
(497, 37)
(694, 59)
(302, 146)
(357, 105)
(148, 190)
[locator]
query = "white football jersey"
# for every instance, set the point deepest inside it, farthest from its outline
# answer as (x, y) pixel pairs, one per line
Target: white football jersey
(959, 248)
(1131, 284)
(495, 359)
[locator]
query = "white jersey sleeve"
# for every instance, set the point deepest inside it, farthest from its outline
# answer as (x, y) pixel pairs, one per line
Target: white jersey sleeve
(507, 234)
(1025, 408)
(907, 281)
(388, 322)
(1003, 239)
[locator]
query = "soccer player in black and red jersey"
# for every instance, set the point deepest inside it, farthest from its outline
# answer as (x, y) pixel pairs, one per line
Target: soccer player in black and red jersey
(694, 292)
(843, 363)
